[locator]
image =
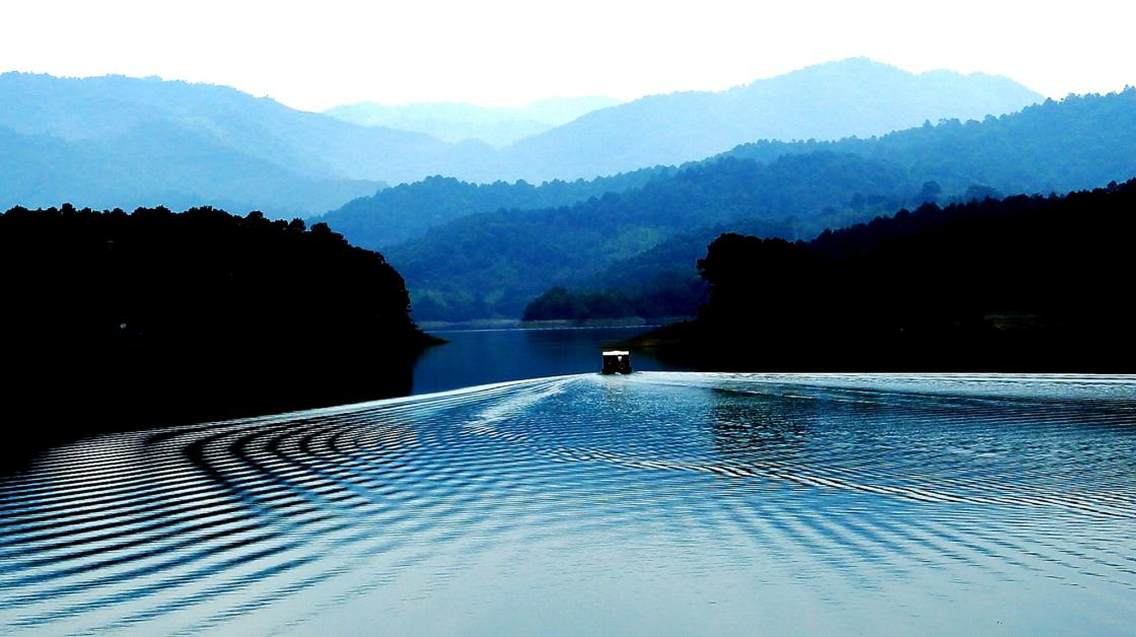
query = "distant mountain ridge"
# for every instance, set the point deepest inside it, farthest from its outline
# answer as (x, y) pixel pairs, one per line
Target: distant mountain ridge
(1055, 146)
(103, 108)
(491, 264)
(115, 141)
(486, 264)
(456, 122)
(408, 211)
(854, 97)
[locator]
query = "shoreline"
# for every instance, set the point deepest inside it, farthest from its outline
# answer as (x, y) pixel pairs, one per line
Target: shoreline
(557, 324)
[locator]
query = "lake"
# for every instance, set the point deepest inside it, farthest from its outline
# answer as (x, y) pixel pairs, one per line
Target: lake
(477, 357)
(658, 503)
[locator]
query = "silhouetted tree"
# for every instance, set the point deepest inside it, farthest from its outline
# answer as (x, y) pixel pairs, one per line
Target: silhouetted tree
(155, 317)
(1025, 283)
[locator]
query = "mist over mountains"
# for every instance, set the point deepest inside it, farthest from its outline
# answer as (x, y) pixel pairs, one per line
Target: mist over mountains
(117, 141)
(123, 142)
(456, 122)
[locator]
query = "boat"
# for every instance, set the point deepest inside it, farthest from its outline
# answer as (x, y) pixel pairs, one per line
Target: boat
(616, 362)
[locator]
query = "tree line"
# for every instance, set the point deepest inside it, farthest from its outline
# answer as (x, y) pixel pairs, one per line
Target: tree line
(151, 317)
(1023, 283)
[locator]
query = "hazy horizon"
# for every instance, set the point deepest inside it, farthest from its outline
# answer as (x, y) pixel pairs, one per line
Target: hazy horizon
(315, 57)
(536, 101)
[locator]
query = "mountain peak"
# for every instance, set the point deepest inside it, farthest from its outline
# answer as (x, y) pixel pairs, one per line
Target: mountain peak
(854, 96)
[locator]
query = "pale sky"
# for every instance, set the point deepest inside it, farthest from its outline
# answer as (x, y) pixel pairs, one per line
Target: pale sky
(314, 55)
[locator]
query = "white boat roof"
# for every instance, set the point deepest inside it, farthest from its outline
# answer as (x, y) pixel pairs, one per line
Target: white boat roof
(616, 352)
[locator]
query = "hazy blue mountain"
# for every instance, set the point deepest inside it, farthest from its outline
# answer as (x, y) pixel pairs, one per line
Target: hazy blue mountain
(408, 211)
(488, 263)
(307, 143)
(492, 263)
(828, 101)
(158, 164)
(561, 110)
(1056, 146)
(455, 121)
(659, 283)
(117, 141)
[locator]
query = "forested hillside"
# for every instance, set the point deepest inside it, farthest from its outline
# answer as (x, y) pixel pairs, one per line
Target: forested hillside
(116, 318)
(1025, 283)
(659, 283)
(407, 211)
(478, 251)
(1057, 146)
(492, 264)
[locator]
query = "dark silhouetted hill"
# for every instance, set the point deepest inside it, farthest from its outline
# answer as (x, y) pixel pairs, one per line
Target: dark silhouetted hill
(114, 319)
(659, 283)
(1025, 283)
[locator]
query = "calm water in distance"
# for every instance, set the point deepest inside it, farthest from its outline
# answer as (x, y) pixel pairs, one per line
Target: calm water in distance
(477, 357)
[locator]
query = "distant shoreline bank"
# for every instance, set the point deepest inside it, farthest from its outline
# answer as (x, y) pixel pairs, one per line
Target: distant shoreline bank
(563, 324)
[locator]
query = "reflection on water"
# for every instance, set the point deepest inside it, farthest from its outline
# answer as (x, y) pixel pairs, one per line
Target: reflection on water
(478, 357)
(673, 503)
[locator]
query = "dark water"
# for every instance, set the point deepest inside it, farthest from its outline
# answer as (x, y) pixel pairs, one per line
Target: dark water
(659, 503)
(478, 357)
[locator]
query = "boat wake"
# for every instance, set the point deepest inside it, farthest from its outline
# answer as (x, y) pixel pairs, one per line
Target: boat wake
(429, 507)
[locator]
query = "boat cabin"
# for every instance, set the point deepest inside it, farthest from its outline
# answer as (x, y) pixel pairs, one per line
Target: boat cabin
(616, 362)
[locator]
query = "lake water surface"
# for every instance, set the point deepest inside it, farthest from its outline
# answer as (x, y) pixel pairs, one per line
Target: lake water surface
(478, 357)
(658, 503)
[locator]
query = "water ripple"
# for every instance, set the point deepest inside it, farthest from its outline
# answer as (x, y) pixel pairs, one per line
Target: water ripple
(868, 503)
